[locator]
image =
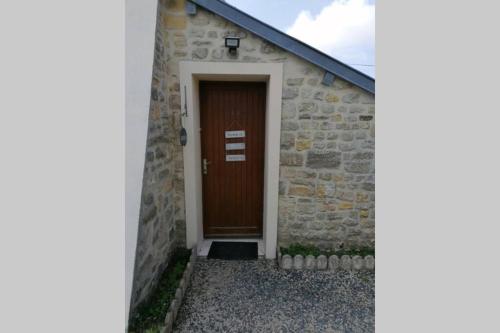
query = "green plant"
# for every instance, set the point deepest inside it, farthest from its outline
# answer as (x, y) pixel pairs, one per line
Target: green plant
(305, 250)
(149, 315)
(155, 329)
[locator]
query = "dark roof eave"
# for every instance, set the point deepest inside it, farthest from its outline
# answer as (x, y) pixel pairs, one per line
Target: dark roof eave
(288, 43)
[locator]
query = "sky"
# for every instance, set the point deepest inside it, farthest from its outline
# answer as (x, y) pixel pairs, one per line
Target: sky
(350, 25)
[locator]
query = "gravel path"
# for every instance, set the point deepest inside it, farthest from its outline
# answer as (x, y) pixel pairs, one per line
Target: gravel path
(256, 296)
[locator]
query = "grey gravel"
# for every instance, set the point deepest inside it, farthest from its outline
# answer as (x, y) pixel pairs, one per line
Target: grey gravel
(257, 296)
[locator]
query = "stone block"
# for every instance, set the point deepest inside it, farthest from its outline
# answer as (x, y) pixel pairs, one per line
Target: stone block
(321, 262)
(321, 159)
(200, 53)
(200, 20)
(202, 43)
(308, 107)
(345, 206)
(174, 101)
(286, 262)
(217, 54)
(180, 42)
(287, 140)
(282, 187)
(148, 199)
(291, 159)
(174, 307)
(268, 48)
(357, 263)
(310, 262)
(198, 33)
(290, 93)
(358, 167)
(347, 136)
(318, 136)
(149, 213)
(289, 126)
(295, 81)
(369, 263)
(325, 190)
(288, 110)
(180, 54)
(301, 190)
(306, 93)
(182, 285)
(178, 294)
(367, 99)
(298, 262)
(351, 98)
(328, 109)
(242, 34)
(302, 145)
(333, 263)
(345, 262)
(368, 155)
(319, 95)
(175, 5)
(169, 320)
(306, 208)
(174, 22)
(313, 81)
(330, 98)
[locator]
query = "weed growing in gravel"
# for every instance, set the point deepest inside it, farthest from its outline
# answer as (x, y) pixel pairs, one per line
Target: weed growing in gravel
(149, 316)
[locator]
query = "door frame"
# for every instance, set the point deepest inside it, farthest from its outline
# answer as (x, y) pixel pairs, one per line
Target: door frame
(191, 72)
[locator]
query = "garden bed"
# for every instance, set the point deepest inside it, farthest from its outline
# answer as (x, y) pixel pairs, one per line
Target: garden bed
(158, 312)
(298, 256)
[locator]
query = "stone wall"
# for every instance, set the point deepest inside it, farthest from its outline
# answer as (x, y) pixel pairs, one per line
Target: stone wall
(156, 234)
(327, 143)
(326, 194)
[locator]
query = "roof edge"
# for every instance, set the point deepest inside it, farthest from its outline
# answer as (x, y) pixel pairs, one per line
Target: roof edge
(288, 43)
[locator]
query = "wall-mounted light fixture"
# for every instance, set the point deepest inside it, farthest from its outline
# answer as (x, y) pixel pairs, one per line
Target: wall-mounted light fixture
(232, 43)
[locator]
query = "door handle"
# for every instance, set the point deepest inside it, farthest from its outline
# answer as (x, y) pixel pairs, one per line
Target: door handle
(205, 166)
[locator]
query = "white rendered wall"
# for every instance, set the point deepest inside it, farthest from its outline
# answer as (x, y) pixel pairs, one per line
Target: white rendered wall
(139, 45)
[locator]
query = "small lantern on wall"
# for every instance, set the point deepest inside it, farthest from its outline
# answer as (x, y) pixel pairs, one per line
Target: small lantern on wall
(232, 43)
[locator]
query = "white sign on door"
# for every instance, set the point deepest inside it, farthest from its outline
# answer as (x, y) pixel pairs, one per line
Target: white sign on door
(235, 158)
(235, 134)
(235, 146)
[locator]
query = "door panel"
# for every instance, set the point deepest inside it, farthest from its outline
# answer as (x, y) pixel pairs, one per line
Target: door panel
(232, 114)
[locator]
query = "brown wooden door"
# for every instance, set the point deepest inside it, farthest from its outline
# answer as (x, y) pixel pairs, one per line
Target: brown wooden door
(232, 115)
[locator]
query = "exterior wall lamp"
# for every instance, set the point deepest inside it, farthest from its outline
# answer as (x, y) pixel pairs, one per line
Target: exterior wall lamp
(232, 43)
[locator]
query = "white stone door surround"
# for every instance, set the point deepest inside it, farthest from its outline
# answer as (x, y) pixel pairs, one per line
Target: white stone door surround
(191, 72)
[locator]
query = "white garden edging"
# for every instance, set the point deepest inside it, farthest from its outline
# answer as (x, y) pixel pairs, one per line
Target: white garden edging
(321, 262)
(179, 294)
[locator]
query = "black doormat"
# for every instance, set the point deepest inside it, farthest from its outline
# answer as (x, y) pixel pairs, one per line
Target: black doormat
(233, 250)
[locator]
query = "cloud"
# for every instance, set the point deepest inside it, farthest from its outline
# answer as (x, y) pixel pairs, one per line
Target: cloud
(345, 29)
